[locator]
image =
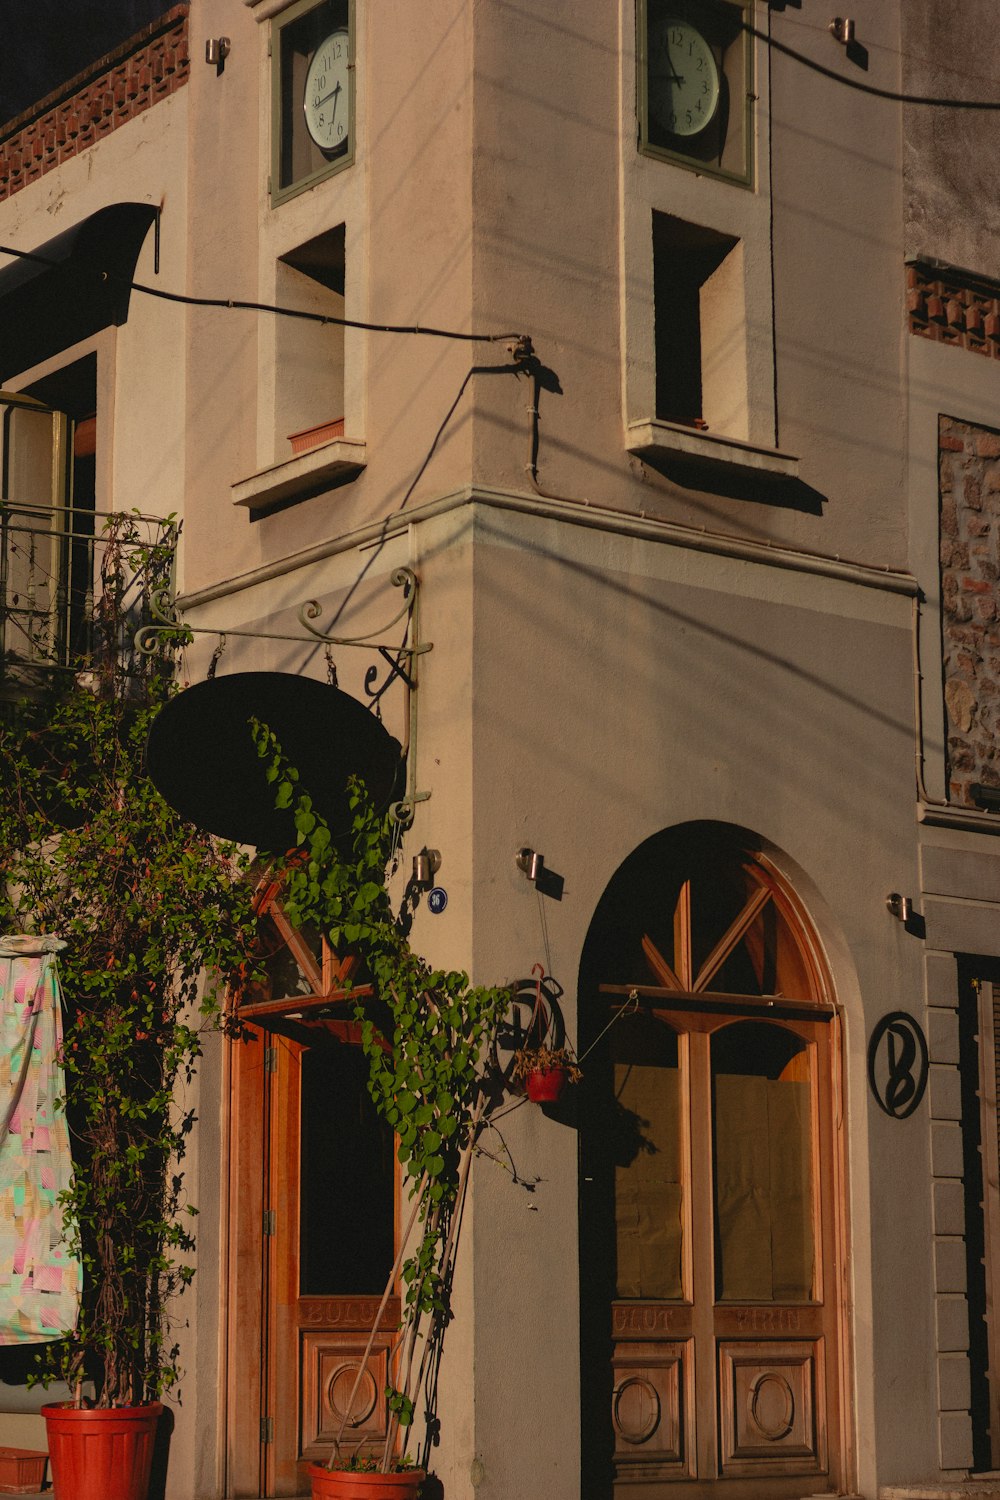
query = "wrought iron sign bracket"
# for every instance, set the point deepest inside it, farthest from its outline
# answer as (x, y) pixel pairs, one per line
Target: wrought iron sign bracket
(401, 660)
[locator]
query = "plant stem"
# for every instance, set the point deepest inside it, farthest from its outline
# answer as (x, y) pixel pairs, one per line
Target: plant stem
(362, 1367)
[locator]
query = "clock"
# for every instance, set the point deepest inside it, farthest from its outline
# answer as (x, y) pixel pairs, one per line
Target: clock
(683, 79)
(694, 84)
(327, 100)
(312, 94)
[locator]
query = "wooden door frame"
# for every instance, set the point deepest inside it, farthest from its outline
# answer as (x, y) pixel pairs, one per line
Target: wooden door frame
(680, 988)
(246, 1289)
(696, 1018)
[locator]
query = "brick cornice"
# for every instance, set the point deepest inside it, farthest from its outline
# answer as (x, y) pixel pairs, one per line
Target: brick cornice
(148, 67)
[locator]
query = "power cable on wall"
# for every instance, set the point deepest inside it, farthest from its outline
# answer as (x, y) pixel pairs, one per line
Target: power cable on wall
(932, 101)
(187, 300)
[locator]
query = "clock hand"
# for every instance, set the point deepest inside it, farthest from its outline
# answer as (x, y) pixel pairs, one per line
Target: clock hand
(335, 96)
(331, 95)
(675, 76)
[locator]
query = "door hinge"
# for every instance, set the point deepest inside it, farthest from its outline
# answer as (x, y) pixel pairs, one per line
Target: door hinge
(270, 1059)
(267, 1429)
(270, 1222)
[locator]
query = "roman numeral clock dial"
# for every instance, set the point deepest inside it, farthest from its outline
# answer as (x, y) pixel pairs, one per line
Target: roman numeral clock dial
(683, 78)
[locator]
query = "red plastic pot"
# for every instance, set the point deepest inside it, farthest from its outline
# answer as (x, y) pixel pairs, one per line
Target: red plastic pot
(545, 1088)
(101, 1455)
(342, 1484)
(21, 1471)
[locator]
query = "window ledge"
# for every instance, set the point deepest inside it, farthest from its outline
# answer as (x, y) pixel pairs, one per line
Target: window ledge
(674, 441)
(304, 475)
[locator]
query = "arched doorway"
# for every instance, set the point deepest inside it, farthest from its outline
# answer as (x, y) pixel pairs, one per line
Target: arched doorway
(710, 1195)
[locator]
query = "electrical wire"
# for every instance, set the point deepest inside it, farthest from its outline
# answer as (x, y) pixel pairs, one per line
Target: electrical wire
(187, 300)
(895, 96)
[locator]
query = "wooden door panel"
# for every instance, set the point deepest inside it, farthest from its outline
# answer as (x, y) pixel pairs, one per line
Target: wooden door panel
(770, 1399)
(653, 1408)
(333, 1333)
(705, 1389)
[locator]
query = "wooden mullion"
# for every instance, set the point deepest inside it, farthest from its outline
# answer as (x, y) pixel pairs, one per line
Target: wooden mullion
(701, 1211)
(659, 964)
(733, 935)
(683, 960)
(298, 947)
(255, 1010)
(662, 997)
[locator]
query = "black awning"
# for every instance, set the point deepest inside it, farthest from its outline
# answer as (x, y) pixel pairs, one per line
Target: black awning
(70, 287)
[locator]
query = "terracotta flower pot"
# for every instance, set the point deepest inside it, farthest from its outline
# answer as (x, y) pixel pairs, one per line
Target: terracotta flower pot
(342, 1484)
(101, 1455)
(21, 1471)
(545, 1088)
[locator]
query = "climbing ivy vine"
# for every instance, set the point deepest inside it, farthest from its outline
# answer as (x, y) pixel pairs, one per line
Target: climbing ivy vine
(426, 1059)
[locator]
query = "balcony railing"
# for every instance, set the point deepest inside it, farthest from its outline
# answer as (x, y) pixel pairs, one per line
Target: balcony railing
(75, 586)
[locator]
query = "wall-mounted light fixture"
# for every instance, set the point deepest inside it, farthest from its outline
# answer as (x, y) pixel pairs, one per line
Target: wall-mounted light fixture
(843, 29)
(545, 881)
(425, 866)
(217, 49)
(901, 907)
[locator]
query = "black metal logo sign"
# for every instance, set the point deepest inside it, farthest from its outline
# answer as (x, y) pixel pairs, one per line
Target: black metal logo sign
(897, 1064)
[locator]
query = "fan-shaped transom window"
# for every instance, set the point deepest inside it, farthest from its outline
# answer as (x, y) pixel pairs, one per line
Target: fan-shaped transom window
(699, 911)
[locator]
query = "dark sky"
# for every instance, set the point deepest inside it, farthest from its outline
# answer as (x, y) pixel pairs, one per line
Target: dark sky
(45, 42)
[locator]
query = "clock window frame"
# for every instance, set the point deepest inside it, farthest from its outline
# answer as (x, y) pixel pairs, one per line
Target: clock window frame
(282, 31)
(735, 63)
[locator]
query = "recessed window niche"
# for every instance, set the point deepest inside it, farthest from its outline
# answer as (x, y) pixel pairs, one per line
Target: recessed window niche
(309, 356)
(700, 328)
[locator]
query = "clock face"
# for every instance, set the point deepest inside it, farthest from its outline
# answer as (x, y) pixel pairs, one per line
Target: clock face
(683, 78)
(327, 98)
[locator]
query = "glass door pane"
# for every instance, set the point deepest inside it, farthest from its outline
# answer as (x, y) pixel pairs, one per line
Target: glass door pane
(649, 1193)
(348, 1179)
(762, 1164)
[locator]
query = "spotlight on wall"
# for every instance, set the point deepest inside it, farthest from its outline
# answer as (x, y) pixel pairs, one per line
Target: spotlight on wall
(545, 881)
(901, 907)
(843, 29)
(425, 866)
(217, 49)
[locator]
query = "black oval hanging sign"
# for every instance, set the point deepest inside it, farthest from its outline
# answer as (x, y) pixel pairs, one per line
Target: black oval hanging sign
(897, 1064)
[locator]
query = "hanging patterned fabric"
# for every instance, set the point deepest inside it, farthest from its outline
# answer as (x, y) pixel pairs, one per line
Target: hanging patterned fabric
(39, 1279)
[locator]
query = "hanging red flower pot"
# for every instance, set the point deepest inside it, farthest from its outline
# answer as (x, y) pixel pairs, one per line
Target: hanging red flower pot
(353, 1484)
(544, 1072)
(545, 1088)
(101, 1455)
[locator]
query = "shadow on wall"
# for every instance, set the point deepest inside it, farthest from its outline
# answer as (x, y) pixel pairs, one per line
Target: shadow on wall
(722, 479)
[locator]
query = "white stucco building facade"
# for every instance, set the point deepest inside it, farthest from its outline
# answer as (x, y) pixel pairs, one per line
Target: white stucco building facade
(677, 521)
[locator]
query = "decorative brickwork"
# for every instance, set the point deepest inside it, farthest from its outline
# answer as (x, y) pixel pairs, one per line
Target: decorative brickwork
(969, 459)
(150, 66)
(953, 307)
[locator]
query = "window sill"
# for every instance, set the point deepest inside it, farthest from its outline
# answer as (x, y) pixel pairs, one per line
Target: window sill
(666, 442)
(302, 476)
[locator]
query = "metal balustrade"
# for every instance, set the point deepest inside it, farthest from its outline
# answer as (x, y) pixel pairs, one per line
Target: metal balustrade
(75, 586)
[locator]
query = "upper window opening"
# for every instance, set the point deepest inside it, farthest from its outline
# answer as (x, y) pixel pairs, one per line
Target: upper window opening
(309, 357)
(312, 60)
(700, 327)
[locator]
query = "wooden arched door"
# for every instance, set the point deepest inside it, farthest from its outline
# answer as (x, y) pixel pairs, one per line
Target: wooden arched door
(710, 1222)
(313, 1189)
